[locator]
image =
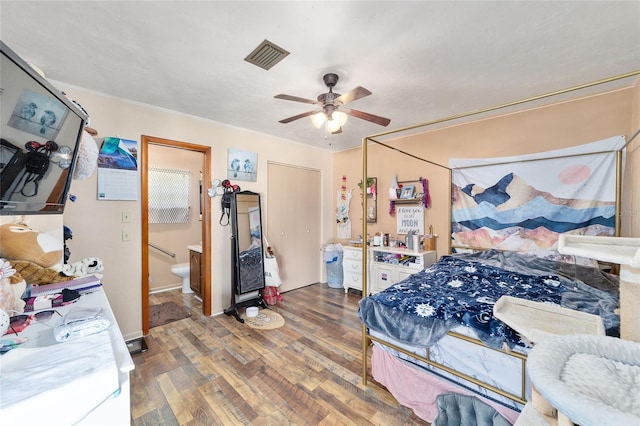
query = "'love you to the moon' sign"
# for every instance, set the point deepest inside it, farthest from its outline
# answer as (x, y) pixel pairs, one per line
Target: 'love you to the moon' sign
(410, 219)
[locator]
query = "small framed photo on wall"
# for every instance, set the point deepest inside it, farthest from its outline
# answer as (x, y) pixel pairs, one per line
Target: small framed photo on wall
(242, 165)
(38, 114)
(408, 192)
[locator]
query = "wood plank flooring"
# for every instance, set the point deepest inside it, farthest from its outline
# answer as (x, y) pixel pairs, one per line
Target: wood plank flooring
(217, 371)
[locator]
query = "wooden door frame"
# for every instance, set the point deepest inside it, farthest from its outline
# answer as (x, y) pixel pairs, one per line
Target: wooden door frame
(206, 221)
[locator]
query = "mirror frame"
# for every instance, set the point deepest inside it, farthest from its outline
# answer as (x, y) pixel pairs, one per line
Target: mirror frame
(240, 287)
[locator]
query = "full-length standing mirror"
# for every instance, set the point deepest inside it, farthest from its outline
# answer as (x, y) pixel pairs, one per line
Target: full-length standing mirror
(246, 252)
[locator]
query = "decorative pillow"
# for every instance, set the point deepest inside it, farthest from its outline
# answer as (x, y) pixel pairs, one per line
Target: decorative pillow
(456, 409)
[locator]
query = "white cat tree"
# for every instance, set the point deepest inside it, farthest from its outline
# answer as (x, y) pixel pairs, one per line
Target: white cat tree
(581, 378)
(626, 253)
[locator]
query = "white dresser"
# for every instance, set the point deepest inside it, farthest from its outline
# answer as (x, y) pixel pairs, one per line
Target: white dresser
(352, 268)
(387, 266)
(390, 265)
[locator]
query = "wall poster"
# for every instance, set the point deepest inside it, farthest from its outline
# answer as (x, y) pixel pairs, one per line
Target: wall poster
(410, 218)
(524, 203)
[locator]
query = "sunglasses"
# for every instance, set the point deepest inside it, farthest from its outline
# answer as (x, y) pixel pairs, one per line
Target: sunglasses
(20, 322)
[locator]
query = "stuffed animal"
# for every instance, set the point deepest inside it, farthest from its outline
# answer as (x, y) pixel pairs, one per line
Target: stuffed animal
(20, 242)
(87, 266)
(11, 288)
(7, 297)
(19, 285)
(32, 273)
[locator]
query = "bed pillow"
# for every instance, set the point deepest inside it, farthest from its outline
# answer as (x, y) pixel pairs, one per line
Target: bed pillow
(456, 409)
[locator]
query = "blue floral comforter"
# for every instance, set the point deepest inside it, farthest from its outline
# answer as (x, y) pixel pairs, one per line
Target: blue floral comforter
(458, 290)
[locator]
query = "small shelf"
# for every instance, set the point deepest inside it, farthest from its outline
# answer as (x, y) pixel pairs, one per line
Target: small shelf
(371, 199)
(418, 196)
(408, 200)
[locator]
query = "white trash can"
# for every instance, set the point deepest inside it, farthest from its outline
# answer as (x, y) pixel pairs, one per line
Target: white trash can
(333, 259)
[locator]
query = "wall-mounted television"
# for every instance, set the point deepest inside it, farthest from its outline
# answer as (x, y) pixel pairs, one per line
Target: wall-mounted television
(40, 130)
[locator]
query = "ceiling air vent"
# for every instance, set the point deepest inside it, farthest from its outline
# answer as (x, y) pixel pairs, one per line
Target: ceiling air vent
(266, 55)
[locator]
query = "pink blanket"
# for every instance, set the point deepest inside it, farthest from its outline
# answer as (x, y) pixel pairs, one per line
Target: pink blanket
(419, 391)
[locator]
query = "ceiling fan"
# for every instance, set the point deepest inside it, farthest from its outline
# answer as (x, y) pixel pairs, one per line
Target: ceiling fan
(331, 110)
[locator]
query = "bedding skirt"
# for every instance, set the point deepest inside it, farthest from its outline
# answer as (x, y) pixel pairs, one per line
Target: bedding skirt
(418, 389)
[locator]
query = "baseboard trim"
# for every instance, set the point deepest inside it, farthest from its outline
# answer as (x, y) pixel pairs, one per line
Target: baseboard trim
(162, 290)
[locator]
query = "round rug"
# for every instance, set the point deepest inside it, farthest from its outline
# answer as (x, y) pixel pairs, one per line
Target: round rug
(266, 320)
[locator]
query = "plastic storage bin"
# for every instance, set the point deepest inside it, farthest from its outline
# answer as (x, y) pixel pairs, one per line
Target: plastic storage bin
(333, 259)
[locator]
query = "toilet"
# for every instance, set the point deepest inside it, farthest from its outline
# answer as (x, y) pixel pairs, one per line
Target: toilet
(182, 270)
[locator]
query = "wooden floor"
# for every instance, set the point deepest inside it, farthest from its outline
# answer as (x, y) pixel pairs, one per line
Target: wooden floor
(217, 371)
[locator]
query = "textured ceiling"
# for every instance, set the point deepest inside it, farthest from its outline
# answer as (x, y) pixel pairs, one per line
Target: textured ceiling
(422, 60)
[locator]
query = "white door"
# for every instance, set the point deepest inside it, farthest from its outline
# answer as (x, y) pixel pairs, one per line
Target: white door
(293, 223)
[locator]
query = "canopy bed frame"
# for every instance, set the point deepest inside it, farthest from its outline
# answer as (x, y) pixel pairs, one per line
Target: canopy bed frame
(519, 396)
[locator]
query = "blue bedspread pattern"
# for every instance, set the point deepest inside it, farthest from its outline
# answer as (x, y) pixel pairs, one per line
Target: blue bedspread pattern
(464, 292)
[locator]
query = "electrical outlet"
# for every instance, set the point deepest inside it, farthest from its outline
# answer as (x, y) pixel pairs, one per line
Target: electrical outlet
(126, 217)
(125, 235)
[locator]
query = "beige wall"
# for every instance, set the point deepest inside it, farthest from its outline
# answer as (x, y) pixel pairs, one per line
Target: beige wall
(97, 224)
(556, 126)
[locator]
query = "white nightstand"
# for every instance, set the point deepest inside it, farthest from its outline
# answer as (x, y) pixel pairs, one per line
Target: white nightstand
(352, 268)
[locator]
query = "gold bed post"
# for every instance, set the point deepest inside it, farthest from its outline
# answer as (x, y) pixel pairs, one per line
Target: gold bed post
(618, 220)
(365, 340)
(449, 228)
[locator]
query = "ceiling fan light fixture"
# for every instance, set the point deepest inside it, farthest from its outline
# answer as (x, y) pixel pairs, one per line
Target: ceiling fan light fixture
(327, 113)
(333, 122)
(333, 126)
(318, 119)
(340, 117)
(336, 120)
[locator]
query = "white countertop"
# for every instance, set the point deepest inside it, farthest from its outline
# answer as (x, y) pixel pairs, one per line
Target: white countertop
(195, 247)
(398, 250)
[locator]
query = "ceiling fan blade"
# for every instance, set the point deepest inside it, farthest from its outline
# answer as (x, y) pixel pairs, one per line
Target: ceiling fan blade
(295, 99)
(296, 117)
(354, 95)
(366, 116)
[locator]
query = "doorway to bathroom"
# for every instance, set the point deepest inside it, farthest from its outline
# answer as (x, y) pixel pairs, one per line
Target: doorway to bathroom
(175, 219)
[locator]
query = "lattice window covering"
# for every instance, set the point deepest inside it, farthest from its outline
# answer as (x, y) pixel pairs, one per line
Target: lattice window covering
(169, 195)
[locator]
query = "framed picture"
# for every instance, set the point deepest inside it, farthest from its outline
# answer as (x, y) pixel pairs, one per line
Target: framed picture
(38, 114)
(407, 192)
(242, 165)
